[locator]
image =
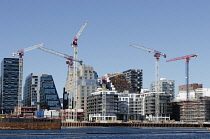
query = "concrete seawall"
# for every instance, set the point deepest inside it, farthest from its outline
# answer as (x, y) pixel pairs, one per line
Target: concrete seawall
(75, 124)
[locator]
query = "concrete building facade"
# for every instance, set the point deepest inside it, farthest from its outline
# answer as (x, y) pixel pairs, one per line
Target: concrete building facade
(86, 84)
(102, 105)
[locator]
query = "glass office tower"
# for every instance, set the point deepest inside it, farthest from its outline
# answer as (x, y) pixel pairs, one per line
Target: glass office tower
(48, 94)
(9, 85)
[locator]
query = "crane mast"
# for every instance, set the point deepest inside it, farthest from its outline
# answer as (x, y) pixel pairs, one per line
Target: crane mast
(75, 46)
(20, 53)
(157, 55)
(187, 57)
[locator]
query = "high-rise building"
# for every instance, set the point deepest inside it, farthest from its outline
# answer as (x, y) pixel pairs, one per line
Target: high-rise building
(134, 77)
(40, 92)
(86, 84)
(164, 85)
(9, 84)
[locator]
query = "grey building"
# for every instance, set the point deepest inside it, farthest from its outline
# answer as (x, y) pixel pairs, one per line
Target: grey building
(102, 105)
(134, 77)
(9, 84)
(150, 106)
(131, 106)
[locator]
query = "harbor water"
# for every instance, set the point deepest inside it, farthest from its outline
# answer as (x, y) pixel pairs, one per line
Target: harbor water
(109, 132)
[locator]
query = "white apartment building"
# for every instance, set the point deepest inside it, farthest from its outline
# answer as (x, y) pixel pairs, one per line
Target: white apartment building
(193, 94)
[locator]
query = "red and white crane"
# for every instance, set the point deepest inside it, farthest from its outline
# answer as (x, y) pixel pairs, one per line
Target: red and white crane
(75, 46)
(187, 57)
(157, 55)
(20, 53)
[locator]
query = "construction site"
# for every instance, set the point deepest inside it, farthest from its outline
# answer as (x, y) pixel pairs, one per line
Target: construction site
(115, 99)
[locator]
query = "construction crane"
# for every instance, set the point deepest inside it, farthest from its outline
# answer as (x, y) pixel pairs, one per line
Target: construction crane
(187, 57)
(74, 43)
(67, 57)
(20, 53)
(75, 46)
(157, 55)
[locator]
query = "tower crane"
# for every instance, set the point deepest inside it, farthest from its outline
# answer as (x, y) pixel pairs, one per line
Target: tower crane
(75, 46)
(67, 57)
(157, 55)
(20, 53)
(187, 57)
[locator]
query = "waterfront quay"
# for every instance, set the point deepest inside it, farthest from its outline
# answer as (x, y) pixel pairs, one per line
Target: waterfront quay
(134, 124)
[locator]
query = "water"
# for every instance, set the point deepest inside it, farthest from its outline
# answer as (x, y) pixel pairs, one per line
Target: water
(109, 132)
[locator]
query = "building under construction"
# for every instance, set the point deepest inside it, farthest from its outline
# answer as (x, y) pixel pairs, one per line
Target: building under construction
(197, 110)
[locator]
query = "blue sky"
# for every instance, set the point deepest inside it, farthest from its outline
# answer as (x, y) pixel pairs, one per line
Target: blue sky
(174, 27)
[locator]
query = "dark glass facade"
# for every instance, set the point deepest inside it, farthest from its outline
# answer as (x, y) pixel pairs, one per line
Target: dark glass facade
(40, 92)
(48, 94)
(9, 84)
(27, 88)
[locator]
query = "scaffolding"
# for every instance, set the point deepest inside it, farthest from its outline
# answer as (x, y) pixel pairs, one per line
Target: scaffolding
(195, 110)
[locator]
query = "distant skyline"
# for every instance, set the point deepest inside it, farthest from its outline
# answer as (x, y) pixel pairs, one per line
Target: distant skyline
(174, 27)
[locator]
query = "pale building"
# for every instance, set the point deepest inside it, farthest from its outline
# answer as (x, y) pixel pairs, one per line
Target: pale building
(193, 94)
(86, 84)
(164, 85)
